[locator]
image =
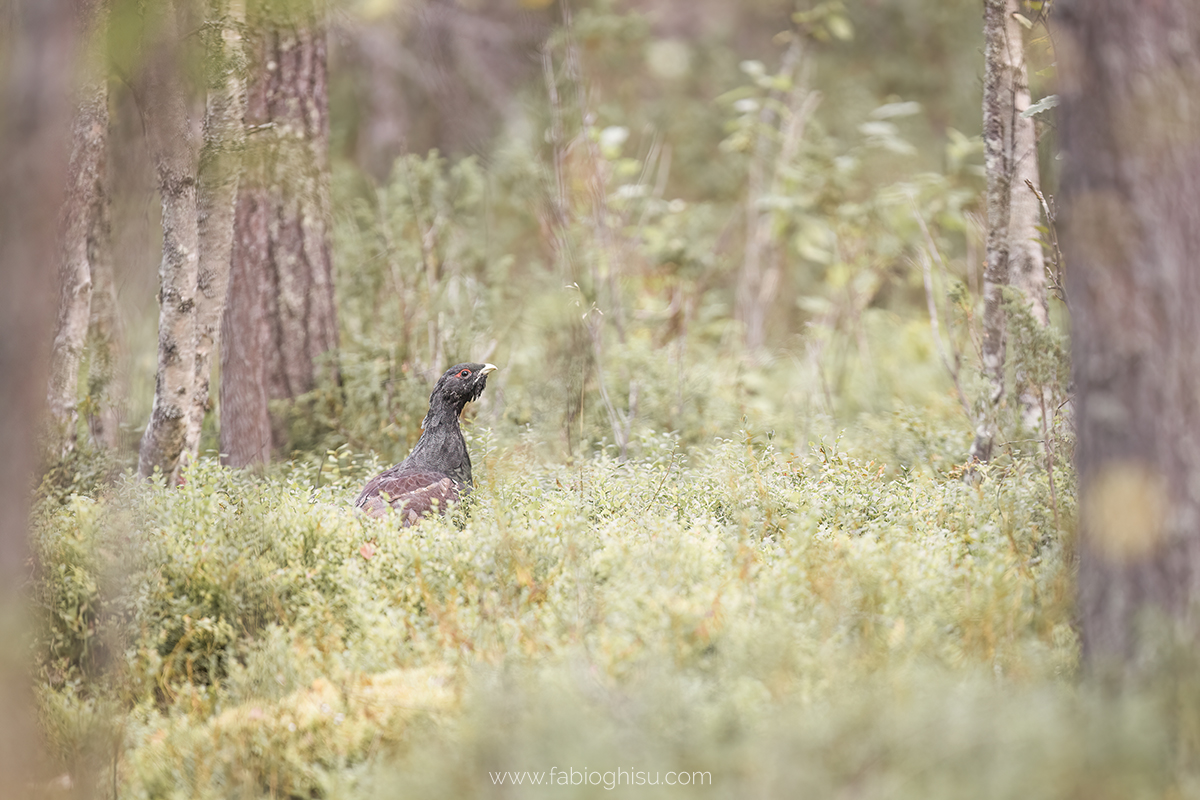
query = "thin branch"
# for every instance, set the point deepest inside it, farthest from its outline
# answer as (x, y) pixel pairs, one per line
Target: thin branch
(926, 259)
(594, 322)
(663, 480)
(559, 198)
(429, 240)
(1049, 462)
(1056, 277)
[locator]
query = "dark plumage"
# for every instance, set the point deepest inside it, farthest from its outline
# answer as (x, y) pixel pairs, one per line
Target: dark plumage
(438, 470)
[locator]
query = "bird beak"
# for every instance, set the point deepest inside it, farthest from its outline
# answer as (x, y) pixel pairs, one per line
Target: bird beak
(488, 368)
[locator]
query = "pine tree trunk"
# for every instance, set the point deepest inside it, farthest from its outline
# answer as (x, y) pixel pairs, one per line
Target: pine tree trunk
(83, 219)
(220, 161)
(1013, 255)
(37, 47)
(169, 131)
(281, 286)
(1130, 88)
(245, 337)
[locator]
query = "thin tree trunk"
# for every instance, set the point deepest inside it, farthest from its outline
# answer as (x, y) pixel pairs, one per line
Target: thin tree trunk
(1130, 195)
(1013, 255)
(1026, 261)
(281, 286)
(37, 47)
(82, 217)
(104, 338)
(169, 131)
(219, 172)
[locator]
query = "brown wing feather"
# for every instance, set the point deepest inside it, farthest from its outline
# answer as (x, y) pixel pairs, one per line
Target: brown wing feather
(414, 494)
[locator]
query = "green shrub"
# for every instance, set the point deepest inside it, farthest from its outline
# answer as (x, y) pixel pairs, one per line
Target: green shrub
(764, 578)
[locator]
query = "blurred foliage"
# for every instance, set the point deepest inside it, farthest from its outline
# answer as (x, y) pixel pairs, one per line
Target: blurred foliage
(667, 75)
(778, 619)
(582, 257)
(679, 555)
(255, 634)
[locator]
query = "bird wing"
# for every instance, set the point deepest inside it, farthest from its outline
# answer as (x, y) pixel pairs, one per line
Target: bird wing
(414, 494)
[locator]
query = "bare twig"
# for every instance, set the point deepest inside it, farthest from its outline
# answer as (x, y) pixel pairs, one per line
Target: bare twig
(594, 318)
(976, 227)
(664, 171)
(815, 347)
(755, 286)
(597, 179)
(663, 480)
(594, 322)
(1049, 461)
(926, 259)
(429, 232)
(559, 197)
(1056, 276)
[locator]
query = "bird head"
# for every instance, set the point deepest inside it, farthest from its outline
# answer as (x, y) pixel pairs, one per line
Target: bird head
(458, 386)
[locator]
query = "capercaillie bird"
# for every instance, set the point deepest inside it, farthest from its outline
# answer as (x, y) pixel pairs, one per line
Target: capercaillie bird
(438, 470)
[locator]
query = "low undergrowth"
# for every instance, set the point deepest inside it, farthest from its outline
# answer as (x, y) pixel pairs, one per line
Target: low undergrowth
(786, 623)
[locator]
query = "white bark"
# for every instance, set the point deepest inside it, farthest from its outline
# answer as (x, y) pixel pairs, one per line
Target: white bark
(82, 216)
(1013, 255)
(1026, 261)
(75, 298)
(169, 131)
(219, 171)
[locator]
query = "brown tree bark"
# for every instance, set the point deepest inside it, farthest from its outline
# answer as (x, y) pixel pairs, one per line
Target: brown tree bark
(280, 318)
(104, 337)
(82, 227)
(1013, 255)
(164, 104)
(1130, 89)
(245, 337)
(37, 48)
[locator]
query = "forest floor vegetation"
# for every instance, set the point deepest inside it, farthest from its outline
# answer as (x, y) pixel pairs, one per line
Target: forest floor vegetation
(792, 622)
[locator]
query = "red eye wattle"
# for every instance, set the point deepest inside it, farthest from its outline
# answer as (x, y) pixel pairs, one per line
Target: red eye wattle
(464, 373)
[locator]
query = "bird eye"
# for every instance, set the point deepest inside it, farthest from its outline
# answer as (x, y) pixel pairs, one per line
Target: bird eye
(464, 373)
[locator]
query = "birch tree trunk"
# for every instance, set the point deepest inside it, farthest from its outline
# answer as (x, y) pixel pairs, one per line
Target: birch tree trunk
(1130, 109)
(83, 217)
(1013, 255)
(37, 49)
(1026, 261)
(220, 161)
(281, 317)
(172, 145)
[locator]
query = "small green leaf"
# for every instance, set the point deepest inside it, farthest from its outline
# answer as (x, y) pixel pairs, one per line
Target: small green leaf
(1045, 104)
(890, 110)
(840, 27)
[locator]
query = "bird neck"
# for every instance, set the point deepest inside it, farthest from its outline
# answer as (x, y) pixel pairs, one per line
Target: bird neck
(442, 414)
(441, 446)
